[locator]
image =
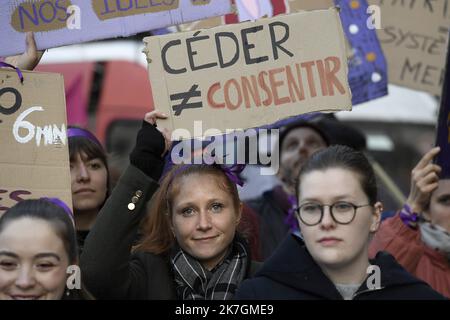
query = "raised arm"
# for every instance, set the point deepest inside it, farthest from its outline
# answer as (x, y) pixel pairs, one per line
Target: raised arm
(109, 270)
(424, 180)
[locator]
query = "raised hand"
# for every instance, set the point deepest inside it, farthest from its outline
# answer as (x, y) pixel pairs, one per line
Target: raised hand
(152, 118)
(424, 180)
(30, 58)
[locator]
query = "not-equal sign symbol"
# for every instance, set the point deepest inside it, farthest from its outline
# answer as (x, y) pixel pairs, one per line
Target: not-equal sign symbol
(186, 96)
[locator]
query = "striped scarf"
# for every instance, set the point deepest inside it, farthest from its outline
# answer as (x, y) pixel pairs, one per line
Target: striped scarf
(194, 282)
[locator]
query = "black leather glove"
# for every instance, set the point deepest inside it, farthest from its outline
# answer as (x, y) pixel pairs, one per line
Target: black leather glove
(147, 153)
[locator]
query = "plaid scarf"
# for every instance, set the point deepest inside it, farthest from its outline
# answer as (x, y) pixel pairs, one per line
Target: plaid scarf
(194, 282)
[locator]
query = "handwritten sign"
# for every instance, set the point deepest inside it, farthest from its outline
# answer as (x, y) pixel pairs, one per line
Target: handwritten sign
(413, 37)
(34, 161)
(250, 74)
(368, 75)
(443, 128)
(63, 22)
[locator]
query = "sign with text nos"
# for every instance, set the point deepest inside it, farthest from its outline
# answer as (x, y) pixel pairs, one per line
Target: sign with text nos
(413, 35)
(250, 74)
(34, 161)
(63, 22)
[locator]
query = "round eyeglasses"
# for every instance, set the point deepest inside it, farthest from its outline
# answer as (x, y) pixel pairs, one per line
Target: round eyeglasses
(342, 212)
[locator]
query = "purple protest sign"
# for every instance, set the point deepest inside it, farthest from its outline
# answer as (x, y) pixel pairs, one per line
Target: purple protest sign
(367, 75)
(62, 22)
(443, 126)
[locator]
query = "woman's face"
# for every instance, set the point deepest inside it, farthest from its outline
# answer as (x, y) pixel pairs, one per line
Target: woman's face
(33, 261)
(331, 244)
(89, 182)
(439, 210)
(204, 218)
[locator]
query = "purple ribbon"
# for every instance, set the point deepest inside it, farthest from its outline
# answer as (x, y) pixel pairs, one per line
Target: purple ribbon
(291, 219)
(19, 73)
(232, 172)
(79, 132)
(408, 217)
(61, 204)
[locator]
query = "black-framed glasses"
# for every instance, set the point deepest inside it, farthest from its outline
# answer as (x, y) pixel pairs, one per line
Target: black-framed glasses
(342, 212)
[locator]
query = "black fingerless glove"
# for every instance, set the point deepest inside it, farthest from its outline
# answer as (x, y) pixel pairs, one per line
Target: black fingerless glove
(146, 155)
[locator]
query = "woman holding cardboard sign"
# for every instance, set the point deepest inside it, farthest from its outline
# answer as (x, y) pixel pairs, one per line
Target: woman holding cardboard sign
(190, 248)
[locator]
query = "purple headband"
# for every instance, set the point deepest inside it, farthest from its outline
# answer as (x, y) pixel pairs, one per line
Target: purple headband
(19, 73)
(79, 132)
(61, 204)
(232, 172)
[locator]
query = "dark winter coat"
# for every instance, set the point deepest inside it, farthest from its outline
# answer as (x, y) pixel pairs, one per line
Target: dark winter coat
(291, 273)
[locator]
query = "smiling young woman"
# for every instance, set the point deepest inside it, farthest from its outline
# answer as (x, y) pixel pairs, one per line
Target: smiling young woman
(37, 245)
(189, 249)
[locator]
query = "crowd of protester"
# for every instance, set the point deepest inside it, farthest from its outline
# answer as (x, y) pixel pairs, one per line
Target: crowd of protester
(178, 233)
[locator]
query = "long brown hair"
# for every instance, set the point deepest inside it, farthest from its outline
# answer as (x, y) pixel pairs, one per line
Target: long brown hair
(156, 226)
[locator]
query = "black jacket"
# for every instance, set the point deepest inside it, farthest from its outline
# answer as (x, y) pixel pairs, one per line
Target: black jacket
(291, 273)
(272, 228)
(108, 269)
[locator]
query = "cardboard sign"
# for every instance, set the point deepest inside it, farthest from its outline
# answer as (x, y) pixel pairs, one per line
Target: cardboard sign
(63, 22)
(413, 37)
(250, 74)
(368, 76)
(34, 161)
(443, 128)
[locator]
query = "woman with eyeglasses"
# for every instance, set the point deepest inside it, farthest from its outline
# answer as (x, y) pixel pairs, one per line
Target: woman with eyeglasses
(338, 213)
